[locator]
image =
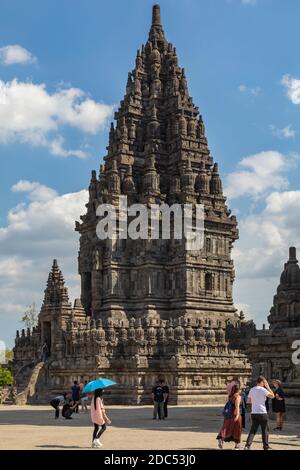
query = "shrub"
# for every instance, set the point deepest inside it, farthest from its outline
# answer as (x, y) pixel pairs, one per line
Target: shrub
(5, 377)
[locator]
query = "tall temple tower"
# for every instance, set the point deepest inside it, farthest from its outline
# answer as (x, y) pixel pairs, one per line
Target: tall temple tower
(149, 307)
(158, 153)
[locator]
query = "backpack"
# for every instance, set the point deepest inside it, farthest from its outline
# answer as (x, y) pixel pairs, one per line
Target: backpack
(228, 410)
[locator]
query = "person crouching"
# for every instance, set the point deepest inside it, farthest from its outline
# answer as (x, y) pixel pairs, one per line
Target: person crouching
(68, 409)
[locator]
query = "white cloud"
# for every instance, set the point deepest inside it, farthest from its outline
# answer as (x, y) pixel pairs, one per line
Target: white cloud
(56, 148)
(286, 132)
(255, 91)
(259, 173)
(36, 191)
(39, 229)
(262, 250)
(15, 54)
(30, 114)
(46, 214)
(10, 268)
(266, 236)
(292, 86)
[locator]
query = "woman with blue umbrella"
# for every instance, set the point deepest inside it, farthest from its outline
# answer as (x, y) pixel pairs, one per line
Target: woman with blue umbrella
(98, 415)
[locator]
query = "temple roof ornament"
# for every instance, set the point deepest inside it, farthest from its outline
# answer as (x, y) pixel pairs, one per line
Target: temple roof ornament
(55, 293)
(290, 278)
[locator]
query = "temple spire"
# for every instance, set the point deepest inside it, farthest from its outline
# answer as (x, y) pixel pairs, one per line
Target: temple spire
(156, 30)
(156, 20)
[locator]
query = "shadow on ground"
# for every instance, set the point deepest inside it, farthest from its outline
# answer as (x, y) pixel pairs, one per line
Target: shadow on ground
(184, 419)
(207, 419)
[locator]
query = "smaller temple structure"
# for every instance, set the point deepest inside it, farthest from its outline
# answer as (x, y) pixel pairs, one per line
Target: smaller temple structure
(193, 356)
(273, 351)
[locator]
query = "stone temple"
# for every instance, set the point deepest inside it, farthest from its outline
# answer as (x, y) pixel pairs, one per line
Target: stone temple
(148, 308)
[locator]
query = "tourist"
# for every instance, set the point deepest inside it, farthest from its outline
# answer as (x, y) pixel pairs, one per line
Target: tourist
(166, 398)
(231, 430)
(44, 352)
(68, 409)
(257, 397)
(158, 396)
(245, 407)
(231, 383)
(76, 395)
(244, 398)
(57, 402)
(84, 399)
(166, 391)
(278, 404)
(82, 384)
(99, 418)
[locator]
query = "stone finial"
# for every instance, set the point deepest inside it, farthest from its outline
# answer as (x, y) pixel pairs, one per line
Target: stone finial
(292, 255)
(215, 183)
(77, 304)
(156, 20)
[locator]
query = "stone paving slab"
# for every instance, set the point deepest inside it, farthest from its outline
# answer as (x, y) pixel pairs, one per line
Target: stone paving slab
(194, 427)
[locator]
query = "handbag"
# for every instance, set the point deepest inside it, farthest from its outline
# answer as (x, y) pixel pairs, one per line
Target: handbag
(107, 420)
(228, 410)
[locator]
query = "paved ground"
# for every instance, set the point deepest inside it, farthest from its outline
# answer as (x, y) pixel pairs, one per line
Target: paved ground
(34, 427)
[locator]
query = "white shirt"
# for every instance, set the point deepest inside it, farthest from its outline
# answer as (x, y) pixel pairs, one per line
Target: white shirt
(61, 399)
(258, 397)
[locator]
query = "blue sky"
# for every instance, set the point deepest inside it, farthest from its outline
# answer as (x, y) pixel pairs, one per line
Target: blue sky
(241, 61)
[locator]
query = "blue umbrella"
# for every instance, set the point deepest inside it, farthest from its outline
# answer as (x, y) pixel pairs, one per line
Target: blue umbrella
(99, 383)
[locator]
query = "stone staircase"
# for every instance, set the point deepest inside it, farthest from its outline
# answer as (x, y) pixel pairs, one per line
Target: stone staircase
(26, 380)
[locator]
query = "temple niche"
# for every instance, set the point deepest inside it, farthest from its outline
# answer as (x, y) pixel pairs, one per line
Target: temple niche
(148, 308)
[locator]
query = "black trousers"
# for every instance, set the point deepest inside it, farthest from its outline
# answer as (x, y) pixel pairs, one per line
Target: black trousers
(97, 433)
(262, 421)
(165, 410)
(67, 413)
(243, 414)
(55, 405)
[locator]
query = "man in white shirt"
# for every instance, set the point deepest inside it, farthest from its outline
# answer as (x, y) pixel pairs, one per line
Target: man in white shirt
(257, 397)
(57, 402)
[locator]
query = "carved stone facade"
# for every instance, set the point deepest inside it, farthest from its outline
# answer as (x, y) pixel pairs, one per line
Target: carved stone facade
(149, 307)
(271, 350)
